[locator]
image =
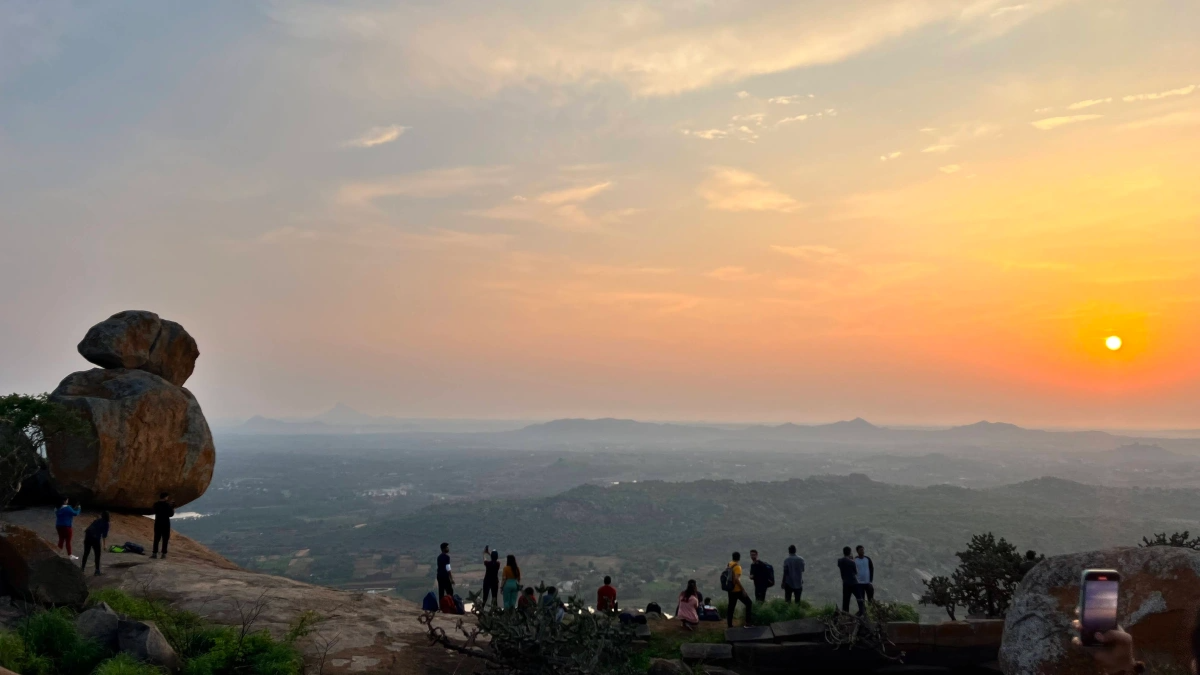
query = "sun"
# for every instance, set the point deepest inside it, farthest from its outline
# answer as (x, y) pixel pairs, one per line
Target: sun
(1113, 342)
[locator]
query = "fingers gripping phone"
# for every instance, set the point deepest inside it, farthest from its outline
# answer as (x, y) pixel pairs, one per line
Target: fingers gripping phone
(1098, 593)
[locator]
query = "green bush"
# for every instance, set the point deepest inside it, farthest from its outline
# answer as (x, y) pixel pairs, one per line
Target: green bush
(12, 652)
(774, 611)
(139, 609)
(51, 634)
(124, 664)
(83, 658)
(889, 611)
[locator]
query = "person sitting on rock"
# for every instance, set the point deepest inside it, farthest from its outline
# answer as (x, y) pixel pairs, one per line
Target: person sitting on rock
(93, 539)
(64, 520)
(689, 604)
(551, 602)
(709, 612)
(606, 596)
(528, 599)
(164, 510)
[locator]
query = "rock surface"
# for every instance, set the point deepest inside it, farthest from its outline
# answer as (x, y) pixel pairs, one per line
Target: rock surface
(1160, 593)
(150, 436)
(101, 624)
(143, 641)
(33, 570)
(141, 340)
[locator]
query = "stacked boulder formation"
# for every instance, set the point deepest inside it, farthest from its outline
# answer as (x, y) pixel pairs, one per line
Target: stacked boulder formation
(150, 434)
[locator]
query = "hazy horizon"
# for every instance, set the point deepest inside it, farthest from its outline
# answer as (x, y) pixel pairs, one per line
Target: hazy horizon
(917, 212)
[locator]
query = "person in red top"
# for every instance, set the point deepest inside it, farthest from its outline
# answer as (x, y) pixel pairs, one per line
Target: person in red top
(606, 597)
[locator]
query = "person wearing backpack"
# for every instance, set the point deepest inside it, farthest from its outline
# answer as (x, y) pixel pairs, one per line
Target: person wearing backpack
(849, 571)
(763, 576)
(731, 583)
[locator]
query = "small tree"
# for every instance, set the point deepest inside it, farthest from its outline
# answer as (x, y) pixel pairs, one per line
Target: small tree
(987, 576)
(537, 641)
(26, 423)
(940, 592)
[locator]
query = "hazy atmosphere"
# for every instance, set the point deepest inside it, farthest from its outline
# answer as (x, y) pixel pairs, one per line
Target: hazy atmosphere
(917, 212)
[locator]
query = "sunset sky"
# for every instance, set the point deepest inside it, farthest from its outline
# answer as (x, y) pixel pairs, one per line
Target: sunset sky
(914, 211)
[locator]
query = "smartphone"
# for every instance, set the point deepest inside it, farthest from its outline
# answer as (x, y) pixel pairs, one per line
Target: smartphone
(1098, 593)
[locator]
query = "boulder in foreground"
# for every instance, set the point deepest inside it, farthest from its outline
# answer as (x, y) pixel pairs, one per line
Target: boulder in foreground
(143, 641)
(32, 570)
(100, 624)
(142, 341)
(150, 437)
(1160, 592)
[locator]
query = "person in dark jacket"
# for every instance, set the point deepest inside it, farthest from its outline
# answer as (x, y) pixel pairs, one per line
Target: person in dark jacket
(445, 576)
(760, 576)
(164, 511)
(793, 575)
(93, 539)
(849, 572)
(491, 577)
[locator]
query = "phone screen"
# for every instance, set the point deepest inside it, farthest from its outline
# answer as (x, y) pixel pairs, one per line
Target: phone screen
(1099, 612)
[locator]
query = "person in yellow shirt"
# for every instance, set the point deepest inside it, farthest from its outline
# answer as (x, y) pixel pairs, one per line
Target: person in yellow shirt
(737, 593)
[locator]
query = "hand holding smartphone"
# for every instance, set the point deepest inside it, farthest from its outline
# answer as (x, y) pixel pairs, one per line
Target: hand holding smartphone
(1099, 591)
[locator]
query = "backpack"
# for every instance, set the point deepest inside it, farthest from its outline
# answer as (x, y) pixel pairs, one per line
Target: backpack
(448, 606)
(459, 607)
(770, 580)
(727, 580)
(653, 608)
(430, 603)
(131, 547)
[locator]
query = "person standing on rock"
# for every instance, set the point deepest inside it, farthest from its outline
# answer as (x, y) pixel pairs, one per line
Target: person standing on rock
(491, 577)
(445, 578)
(866, 575)
(512, 582)
(164, 510)
(793, 575)
(64, 520)
(93, 539)
(606, 596)
(737, 593)
(849, 572)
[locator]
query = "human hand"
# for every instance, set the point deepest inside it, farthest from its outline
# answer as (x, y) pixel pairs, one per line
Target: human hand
(1114, 651)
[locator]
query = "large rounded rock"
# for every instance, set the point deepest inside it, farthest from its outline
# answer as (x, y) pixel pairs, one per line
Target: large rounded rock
(150, 437)
(1160, 592)
(32, 570)
(143, 341)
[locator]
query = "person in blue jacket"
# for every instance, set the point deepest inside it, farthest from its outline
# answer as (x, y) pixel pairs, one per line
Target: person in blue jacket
(64, 520)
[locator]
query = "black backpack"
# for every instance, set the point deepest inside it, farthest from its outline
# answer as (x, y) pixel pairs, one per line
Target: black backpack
(770, 580)
(727, 580)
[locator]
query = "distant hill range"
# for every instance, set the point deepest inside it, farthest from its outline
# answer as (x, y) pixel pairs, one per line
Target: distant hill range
(612, 432)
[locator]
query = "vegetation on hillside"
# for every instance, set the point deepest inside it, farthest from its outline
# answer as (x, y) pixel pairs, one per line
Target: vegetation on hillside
(47, 643)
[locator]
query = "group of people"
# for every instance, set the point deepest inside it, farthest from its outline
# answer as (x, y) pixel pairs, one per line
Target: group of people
(502, 585)
(95, 536)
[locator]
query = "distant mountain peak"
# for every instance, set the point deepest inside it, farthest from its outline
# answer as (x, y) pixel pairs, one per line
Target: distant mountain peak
(856, 423)
(984, 425)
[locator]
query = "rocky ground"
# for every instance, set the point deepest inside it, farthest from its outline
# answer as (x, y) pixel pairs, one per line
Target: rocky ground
(357, 632)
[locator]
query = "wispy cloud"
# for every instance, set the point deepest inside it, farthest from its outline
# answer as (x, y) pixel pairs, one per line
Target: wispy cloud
(890, 156)
(1080, 105)
(1056, 122)
(434, 183)
(1183, 118)
(1182, 91)
(788, 100)
(940, 148)
(1010, 9)
(661, 49)
(732, 274)
(806, 251)
(950, 168)
(573, 195)
(377, 136)
(706, 134)
(728, 189)
(743, 94)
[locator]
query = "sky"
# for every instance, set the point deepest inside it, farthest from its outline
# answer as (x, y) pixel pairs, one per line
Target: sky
(914, 211)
